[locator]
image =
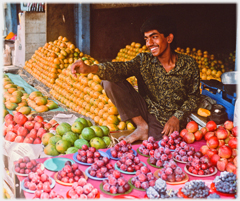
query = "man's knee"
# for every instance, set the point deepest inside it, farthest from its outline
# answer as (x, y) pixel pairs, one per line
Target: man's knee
(107, 85)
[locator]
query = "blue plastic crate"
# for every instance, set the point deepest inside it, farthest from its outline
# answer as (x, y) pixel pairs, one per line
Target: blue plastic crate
(217, 94)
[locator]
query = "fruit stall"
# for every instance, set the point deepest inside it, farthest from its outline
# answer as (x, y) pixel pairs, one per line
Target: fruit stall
(60, 133)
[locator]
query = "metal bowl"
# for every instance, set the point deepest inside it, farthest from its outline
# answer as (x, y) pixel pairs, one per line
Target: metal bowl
(230, 77)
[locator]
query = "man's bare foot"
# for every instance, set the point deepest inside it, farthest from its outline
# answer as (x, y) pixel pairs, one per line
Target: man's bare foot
(141, 133)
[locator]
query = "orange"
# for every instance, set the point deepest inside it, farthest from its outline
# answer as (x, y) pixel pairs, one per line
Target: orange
(112, 110)
(96, 111)
(83, 112)
(112, 119)
(90, 76)
(122, 125)
(93, 84)
(88, 114)
(87, 98)
(96, 78)
(92, 109)
(100, 113)
(101, 105)
(98, 88)
(112, 127)
(100, 122)
(92, 116)
(88, 107)
(96, 102)
(106, 107)
(96, 119)
(105, 116)
(96, 94)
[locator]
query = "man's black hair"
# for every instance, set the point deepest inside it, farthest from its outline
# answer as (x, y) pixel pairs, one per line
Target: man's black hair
(163, 24)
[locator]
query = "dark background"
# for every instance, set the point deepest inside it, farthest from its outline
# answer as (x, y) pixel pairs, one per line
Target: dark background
(209, 27)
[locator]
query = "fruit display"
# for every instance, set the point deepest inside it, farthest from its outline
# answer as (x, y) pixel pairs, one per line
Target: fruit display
(200, 166)
(120, 148)
(148, 146)
(70, 173)
(101, 168)
(191, 133)
(226, 182)
(25, 165)
(25, 129)
(144, 178)
(159, 191)
(171, 141)
(115, 183)
(171, 172)
(70, 138)
(195, 189)
(48, 61)
(82, 190)
(38, 194)
(159, 156)
(128, 162)
(209, 66)
(221, 145)
(184, 153)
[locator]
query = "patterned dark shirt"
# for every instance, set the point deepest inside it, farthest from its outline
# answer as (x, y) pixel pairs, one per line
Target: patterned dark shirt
(174, 93)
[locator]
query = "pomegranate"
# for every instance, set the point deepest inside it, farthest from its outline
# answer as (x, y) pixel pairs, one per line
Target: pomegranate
(228, 125)
(225, 151)
(189, 138)
(221, 143)
(221, 134)
(212, 142)
(211, 126)
(233, 143)
(198, 135)
(209, 135)
(192, 126)
(204, 130)
(183, 132)
(214, 159)
(211, 152)
(204, 149)
(234, 131)
(222, 164)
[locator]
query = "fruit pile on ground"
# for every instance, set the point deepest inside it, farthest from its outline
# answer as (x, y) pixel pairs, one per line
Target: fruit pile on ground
(159, 191)
(101, 168)
(221, 145)
(70, 173)
(88, 154)
(210, 68)
(171, 172)
(200, 166)
(144, 178)
(159, 156)
(70, 138)
(25, 129)
(25, 165)
(40, 103)
(14, 97)
(82, 190)
(171, 141)
(120, 148)
(38, 194)
(148, 146)
(115, 183)
(129, 162)
(195, 189)
(48, 61)
(184, 153)
(38, 181)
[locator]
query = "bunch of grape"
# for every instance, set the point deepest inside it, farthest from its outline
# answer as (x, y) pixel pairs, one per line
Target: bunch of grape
(213, 196)
(160, 191)
(195, 189)
(226, 182)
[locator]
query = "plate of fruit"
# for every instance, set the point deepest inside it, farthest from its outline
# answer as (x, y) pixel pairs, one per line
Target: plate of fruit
(115, 184)
(82, 190)
(147, 147)
(119, 149)
(87, 156)
(69, 174)
(171, 173)
(56, 164)
(25, 165)
(171, 141)
(144, 179)
(99, 170)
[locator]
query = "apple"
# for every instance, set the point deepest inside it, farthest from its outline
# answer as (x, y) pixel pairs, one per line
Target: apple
(38, 118)
(230, 167)
(221, 134)
(10, 136)
(8, 119)
(192, 126)
(47, 126)
(214, 159)
(204, 149)
(221, 143)
(20, 118)
(22, 131)
(204, 130)
(233, 143)
(234, 152)
(198, 135)
(234, 131)
(212, 142)
(235, 161)
(225, 151)
(38, 125)
(28, 140)
(211, 126)
(15, 128)
(29, 125)
(222, 164)
(33, 134)
(41, 132)
(209, 135)
(189, 138)
(228, 125)
(10, 127)
(211, 152)
(19, 139)
(183, 132)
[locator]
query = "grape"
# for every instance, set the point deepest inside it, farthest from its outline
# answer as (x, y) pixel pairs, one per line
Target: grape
(152, 193)
(195, 189)
(213, 196)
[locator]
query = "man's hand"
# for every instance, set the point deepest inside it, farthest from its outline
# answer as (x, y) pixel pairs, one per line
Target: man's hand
(171, 126)
(80, 67)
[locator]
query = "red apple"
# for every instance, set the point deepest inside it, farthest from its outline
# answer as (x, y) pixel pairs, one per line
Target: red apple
(38, 125)
(38, 118)
(235, 161)
(183, 132)
(10, 127)
(192, 126)
(221, 134)
(211, 126)
(15, 128)
(233, 143)
(32, 134)
(53, 122)
(212, 142)
(189, 138)
(41, 132)
(228, 125)
(234, 131)
(214, 159)
(222, 164)
(47, 126)
(198, 135)
(30, 117)
(225, 151)
(10, 136)
(221, 143)
(234, 152)
(204, 149)
(211, 152)
(20, 118)
(209, 135)
(28, 140)
(204, 130)
(230, 167)
(29, 125)
(22, 131)
(19, 139)
(37, 141)
(8, 119)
